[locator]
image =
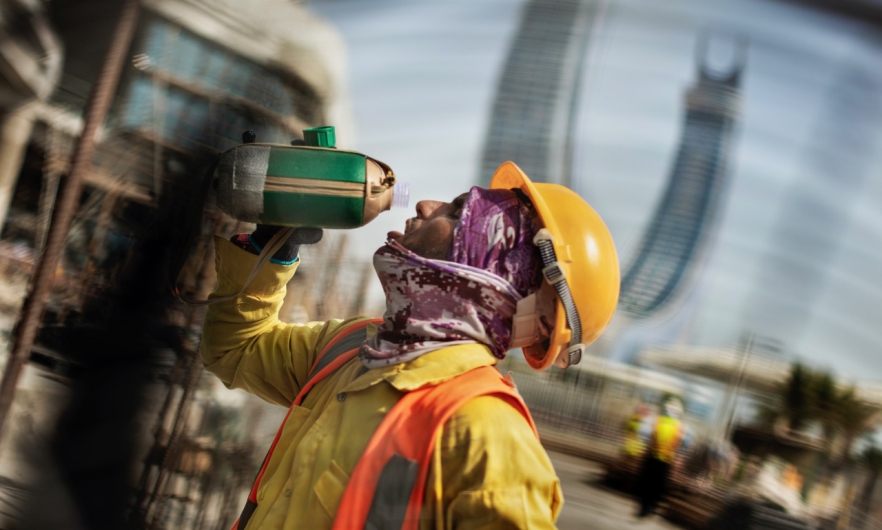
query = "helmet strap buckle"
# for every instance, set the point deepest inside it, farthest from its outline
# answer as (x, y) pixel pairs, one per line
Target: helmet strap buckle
(571, 356)
(554, 273)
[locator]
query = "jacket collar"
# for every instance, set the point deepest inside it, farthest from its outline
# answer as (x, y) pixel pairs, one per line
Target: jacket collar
(429, 369)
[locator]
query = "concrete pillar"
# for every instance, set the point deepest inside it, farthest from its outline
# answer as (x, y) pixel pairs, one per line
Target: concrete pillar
(15, 133)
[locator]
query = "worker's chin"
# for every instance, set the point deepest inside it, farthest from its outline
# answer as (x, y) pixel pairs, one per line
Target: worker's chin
(394, 235)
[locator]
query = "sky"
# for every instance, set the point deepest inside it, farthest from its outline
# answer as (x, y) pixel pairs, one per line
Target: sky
(797, 251)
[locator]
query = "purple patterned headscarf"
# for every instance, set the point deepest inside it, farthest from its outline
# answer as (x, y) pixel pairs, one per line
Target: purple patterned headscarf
(470, 298)
(495, 233)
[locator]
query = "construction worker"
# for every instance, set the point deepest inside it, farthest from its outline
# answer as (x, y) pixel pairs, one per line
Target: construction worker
(634, 444)
(404, 422)
(666, 440)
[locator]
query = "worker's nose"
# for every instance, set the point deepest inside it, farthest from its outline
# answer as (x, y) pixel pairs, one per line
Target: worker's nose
(425, 209)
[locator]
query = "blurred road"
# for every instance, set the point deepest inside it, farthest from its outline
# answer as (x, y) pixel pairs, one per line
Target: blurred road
(590, 506)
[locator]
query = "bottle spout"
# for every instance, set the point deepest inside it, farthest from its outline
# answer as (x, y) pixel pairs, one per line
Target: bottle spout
(401, 195)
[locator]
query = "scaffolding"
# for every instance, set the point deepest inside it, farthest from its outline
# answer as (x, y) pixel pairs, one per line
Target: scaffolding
(183, 97)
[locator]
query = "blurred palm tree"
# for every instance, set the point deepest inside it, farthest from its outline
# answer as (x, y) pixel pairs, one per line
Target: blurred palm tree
(855, 419)
(808, 396)
(826, 404)
(793, 402)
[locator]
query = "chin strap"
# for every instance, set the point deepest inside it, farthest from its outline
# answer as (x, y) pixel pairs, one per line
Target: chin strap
(525, 323)
(526, 319)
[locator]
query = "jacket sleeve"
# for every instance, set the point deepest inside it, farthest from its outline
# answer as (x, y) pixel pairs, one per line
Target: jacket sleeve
(243, 341)
(493, 472)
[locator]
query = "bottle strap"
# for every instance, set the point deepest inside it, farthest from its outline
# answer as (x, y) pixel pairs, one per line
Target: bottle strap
(275, 243)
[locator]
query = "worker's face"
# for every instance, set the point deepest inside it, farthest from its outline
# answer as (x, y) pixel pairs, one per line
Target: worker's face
(430, 233)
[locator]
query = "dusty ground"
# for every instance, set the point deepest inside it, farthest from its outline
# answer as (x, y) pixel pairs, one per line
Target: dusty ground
(590, 506)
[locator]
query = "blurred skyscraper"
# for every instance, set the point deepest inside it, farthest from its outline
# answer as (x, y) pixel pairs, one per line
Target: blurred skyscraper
(534, 108)
(532, 120)
(686, 215)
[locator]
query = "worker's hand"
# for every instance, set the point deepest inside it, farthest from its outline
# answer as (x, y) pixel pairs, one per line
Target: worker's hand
(288, 252)
(301, 236)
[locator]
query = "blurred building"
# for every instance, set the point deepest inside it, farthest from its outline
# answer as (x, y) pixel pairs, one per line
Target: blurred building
(201, 72)
(750, 414)
(198, 74)
(30, 66)
(532, 122)
(30, 54)
(535, 103)
(758, 374)
(588, 405)
(672, 244)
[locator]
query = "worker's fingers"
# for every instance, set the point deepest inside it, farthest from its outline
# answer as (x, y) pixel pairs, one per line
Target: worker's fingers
(307, 236)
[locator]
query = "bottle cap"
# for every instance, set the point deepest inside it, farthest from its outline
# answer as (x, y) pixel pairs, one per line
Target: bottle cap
(320, 136)
(400, 195)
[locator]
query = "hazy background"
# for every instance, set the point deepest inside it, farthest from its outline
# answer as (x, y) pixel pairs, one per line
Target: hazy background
(797, 255)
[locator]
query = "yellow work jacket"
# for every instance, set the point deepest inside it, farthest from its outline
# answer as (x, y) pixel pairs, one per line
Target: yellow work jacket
(488, 470)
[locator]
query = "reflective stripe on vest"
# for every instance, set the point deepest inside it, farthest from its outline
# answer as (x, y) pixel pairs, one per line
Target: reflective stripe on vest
(387, 486)
(666, 438)
(341, 348)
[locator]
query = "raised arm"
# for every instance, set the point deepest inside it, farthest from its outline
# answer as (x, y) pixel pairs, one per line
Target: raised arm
(243, 341)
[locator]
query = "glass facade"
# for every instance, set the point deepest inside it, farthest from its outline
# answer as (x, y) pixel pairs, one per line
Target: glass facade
(687, 210)
(194, 94)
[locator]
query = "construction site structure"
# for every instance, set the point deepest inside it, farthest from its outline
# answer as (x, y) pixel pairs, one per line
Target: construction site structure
(30, 68)
(198, 73)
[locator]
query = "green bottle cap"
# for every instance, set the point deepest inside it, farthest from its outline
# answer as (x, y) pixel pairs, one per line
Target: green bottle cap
(320, 136)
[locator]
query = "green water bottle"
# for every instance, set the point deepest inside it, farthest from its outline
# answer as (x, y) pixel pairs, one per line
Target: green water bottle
(311, 185)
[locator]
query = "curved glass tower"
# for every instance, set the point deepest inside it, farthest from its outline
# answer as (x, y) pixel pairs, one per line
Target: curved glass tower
(532, 124)
(686, 213)
(533, 111)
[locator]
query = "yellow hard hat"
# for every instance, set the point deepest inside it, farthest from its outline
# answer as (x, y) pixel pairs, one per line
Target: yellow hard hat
(580, 262)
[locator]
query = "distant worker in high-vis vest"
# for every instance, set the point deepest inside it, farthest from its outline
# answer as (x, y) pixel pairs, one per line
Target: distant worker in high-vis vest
(634, 437)
(404, 421)
(665, 441)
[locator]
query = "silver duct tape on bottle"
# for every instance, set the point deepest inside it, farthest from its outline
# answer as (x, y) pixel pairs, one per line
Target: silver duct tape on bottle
(243, 193)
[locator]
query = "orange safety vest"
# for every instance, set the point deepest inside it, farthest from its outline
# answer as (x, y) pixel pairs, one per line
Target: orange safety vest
(387, 486)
